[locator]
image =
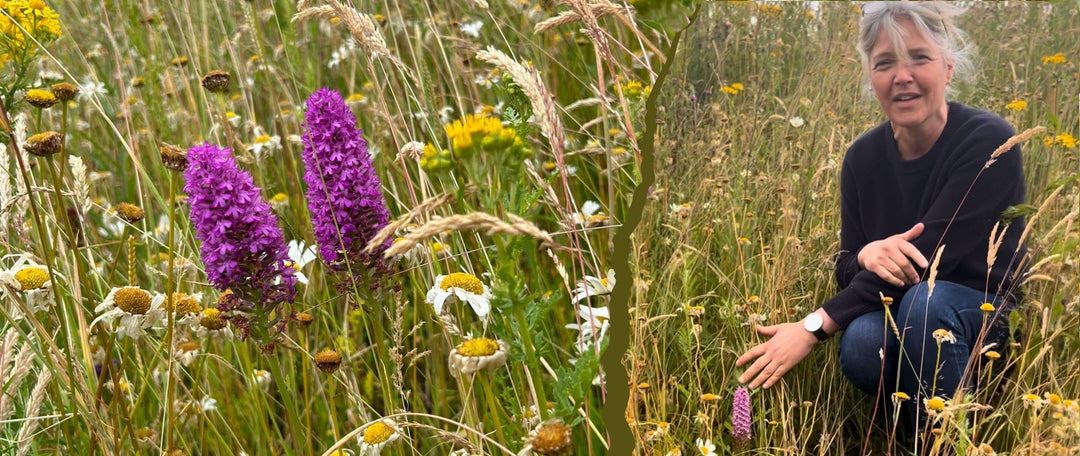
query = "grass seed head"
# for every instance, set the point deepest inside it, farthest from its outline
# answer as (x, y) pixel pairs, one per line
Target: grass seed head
(44, 144)
(328, 361)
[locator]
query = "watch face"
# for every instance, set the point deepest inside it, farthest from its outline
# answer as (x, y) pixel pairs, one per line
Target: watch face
(813, 322)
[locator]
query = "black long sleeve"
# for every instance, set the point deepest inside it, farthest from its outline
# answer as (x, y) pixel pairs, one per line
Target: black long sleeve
(883, 195)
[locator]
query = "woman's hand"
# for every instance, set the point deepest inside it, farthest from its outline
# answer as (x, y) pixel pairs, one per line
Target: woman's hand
(891, 258)
(788, 345)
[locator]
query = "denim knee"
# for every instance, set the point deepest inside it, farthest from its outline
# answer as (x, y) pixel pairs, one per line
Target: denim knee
(861, 347)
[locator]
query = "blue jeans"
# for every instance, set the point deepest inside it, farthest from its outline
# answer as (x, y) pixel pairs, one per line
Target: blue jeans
(952, 307)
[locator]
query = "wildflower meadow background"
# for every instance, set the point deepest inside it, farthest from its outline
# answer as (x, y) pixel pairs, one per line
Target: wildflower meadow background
(742, 226)
(315, 227)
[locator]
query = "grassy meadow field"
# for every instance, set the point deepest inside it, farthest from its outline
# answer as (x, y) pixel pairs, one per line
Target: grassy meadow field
(315, 227)
(742, 223)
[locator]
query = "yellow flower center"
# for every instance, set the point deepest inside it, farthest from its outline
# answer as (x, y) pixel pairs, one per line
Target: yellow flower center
(377, 433)
(212, 320)
(31, 278)
(183, 304)
(901, 396)
(262, 139)
(355, 97)
(552, 439)
(133, 300)
(936, 404)
(188, 346)
(129, 212)
(279, 198)
(1031, 397)
(480, 346)
(987, 307)
(467, 282)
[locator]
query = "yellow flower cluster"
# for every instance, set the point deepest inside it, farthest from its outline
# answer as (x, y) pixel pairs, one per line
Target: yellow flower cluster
(476, 132)
(26, 16)
(733, 89)
(633, 89)
(1056, 58)
(1065, 139)
(1017, 105)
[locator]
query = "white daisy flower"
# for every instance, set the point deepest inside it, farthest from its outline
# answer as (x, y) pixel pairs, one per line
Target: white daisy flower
(264, 145)
(476, 354)
(796, 121)
(472, 28)
(123, 388)
(32, 280)
(185, 351)
(136, 309)
(261, 378)
(186, 309)
(377, 435)
(460, 286)
(588, 210)
(595, 322)
(593, 286)
(300, 255)
(705, 447)
(211, 324)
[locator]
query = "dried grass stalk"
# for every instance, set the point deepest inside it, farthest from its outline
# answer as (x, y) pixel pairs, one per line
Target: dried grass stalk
(597, 11)
(933, 271)
(18, 373)
(474, 221)
(1026, 135)
(37, 397)
(1031, 221)
(392, 227)
(543, 103)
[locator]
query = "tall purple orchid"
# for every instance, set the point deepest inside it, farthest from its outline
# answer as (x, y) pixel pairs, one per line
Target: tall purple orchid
(347, 208)
(242, 245)
(740, 416)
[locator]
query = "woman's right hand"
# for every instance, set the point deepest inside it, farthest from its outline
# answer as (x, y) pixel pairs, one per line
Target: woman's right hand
(891, 258)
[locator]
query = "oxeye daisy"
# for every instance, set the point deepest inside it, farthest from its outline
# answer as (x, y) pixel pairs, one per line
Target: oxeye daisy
(264, 145)
(593, 327)
(211, 323)
(261, 378)
(32, 280)
(705, 447)
(552, 439)
(593, 286)
(460, 286)
(136, 308)
(185, 308)
(300, 254)
(475, 354)
(186, 351)
(377, 435)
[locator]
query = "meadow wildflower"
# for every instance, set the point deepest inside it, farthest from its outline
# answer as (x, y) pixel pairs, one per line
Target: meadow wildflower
(797, 121)
(740, 416)
(261, 378)
(1016, 105)
(986, 307)
(900, 396)
(594, 326)
(264, 145)
(1053, 59)
(32, 280)
(129, 213)
(185, 308)
(304, 319)
(1065, 139)
(993, 355)
(709, 397)
(179, 61)
(64, 91)
(460, 286)
(942, 335)
(300, 254)
(173, 157)
(44, 144)
(216, 81)
(186, 351)
(212, 324)
(33, 16)
(551, 439)
(732, 89)
(377, 435)
(43, 99)
(242, 245)
(328, 361)
(347, 207)
(476, 354)
(593, 286)
(934, 404)
(135, 307)
(705, 447)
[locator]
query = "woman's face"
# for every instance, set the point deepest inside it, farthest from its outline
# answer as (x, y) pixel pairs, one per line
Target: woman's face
(911, 91)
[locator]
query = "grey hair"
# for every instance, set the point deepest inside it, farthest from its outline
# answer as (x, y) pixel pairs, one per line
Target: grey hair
(933, 19)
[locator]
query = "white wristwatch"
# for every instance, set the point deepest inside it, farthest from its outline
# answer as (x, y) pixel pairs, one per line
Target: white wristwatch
(813, 323)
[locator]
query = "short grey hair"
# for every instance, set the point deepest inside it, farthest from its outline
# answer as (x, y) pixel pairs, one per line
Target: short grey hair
(933, 19)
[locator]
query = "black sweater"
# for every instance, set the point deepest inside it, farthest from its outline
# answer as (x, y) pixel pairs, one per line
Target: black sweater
(882, 195)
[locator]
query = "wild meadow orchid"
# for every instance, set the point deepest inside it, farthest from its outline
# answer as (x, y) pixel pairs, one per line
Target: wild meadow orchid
(347, 207)
(242, 245)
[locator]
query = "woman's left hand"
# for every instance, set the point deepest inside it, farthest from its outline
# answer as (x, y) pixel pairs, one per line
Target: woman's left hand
(788, 345)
